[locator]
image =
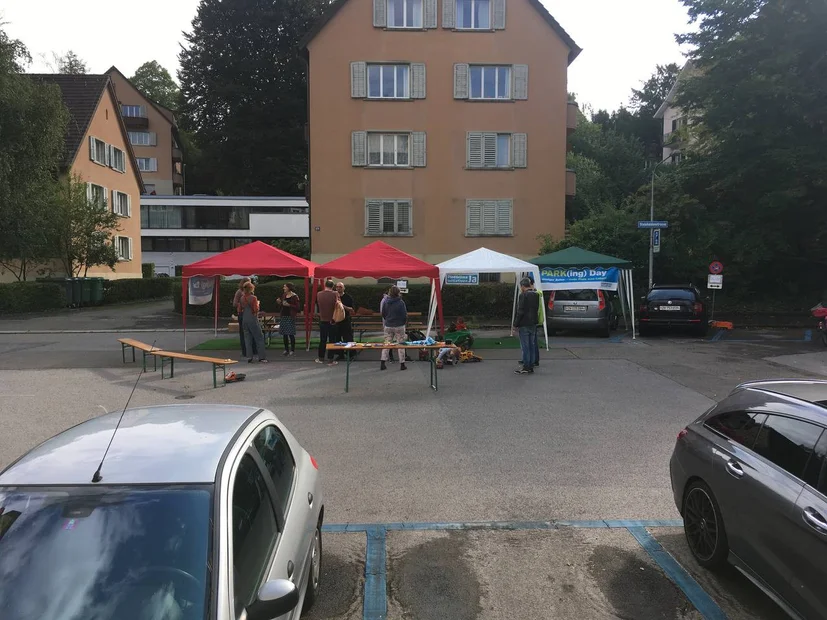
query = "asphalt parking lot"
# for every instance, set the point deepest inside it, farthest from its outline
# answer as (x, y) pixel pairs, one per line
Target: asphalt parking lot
(500, 496)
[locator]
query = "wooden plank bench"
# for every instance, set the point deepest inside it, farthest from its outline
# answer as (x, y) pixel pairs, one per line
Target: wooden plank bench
(215, 361)
(141, 346)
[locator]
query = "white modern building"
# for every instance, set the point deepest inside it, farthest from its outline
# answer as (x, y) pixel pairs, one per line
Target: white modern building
(674, 118)
(179, 230)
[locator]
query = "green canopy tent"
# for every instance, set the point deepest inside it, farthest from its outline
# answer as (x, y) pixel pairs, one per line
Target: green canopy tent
(576, 268)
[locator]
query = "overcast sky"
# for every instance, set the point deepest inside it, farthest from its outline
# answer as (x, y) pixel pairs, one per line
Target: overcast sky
(622, 40)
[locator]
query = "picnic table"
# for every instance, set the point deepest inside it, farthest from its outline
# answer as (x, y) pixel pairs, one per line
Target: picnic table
(432, 349)
(373, 322)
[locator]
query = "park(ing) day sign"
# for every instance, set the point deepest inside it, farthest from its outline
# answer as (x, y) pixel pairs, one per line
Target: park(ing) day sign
(563, 278)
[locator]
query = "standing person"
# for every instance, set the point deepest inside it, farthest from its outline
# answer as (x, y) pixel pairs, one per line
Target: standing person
(248, 308)
(345, 333)
(526, 321)
(326, 300)
(289, 303)
(391, 358)
(541, 319)
(236, 301)
(394, 317)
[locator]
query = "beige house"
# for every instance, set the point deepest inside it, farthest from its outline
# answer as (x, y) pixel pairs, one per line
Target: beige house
(674, 121)
(153, 133)
(437, 125)
(98, 151)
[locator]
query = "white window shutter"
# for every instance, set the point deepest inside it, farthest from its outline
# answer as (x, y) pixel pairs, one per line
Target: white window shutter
(489, 150)
(474, 149)
(129, 243)
(153, 138)
(518, 150)
(473, 217)
(504, 217)
(380, 13)
(107, 149)
(104, 197)
(449, 13)
(358, 148)
(519, 82)
(419, 149)
(418, 80)
(114, 204)
(373, 217)
(358, 80)
(489, 217)
(92, 149)
(88, 192)
(430, 14)
(499, 15)
(403, 218)
(128, 205)
(460, 81)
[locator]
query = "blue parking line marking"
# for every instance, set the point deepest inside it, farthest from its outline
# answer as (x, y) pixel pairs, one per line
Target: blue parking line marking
(375, 605)
(345, 528)
(718, 335)
(645, 523)
(708, 608)
(808, 335)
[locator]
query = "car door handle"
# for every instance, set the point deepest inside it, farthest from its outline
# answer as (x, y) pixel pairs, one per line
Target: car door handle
(734, 468)
(310, 498)
(815, 520)
(290, 568)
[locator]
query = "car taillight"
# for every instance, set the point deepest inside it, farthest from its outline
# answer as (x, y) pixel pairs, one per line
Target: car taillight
(682, 434)
(551, 300)
(699, 307)
(314, 463)
(601, 301)
(642, 309)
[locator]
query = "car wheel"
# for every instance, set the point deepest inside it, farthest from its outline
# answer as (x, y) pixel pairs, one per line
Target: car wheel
(702, 330)
(314, 577)
(606, 332)
(704, 527)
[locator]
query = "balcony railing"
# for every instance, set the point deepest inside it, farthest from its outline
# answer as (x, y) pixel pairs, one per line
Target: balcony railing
(177, 154)
(136, 122)
(571, 116)
(571, 182)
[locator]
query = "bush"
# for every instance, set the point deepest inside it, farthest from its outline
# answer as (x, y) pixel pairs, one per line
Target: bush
(148, 270)
(20, 297)
(136, 289)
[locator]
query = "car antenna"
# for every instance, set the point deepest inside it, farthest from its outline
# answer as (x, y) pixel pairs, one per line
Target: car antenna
(96, 477)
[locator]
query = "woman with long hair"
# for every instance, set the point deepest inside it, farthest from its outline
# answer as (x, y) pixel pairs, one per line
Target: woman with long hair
(248, 308)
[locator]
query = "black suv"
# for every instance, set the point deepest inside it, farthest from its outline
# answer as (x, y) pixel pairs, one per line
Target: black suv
(673, 306)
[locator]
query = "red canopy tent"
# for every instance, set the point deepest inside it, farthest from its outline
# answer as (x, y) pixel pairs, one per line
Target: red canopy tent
(256, 258)
(380, 260)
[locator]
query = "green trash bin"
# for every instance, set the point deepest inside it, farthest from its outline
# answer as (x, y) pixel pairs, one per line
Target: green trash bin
(97, 290)
(66, 283)
(85, 291)
(77, 294)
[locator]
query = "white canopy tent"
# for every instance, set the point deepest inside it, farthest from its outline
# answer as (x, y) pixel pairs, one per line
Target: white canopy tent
(487, 261)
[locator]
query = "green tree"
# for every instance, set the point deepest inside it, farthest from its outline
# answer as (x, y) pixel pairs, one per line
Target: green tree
(83, 228)
(156, 83)
(245, 95)
(32, 135)
(70, 64)
(296, 247)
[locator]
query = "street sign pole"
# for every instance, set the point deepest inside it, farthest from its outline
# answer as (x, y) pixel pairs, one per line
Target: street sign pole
(652, 232)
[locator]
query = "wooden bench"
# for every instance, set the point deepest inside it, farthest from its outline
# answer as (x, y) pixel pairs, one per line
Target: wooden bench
(215, 361)
(363, 325)
(141, 346)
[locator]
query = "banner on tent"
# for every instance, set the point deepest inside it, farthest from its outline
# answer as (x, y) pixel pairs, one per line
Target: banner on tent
(201, 291)
(466, 279)
(560, 278)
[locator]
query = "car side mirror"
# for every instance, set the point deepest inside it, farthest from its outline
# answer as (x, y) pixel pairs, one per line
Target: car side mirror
(275, 598)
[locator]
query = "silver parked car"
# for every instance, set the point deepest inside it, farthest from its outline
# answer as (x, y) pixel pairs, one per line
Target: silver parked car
(198, 511)
(585, 309)
(750, 479)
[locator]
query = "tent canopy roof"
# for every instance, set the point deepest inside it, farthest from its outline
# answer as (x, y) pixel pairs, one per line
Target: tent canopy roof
(377, 260)
(578, 257)
(256, 258)
(485, 261)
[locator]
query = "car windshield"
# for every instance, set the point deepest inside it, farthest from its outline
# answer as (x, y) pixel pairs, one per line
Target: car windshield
(659, 294)
(581, 295)
(100, 553)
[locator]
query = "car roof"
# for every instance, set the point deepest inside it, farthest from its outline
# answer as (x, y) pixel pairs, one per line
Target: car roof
(689, 287)
(168, 444)
(808, 390)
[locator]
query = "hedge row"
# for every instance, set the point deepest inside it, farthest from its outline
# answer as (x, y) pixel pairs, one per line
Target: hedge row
(484, 301)
(18, 297)
(136, 289)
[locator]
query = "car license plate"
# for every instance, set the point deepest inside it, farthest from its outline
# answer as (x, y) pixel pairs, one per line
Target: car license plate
(669, 308)
(574, 308)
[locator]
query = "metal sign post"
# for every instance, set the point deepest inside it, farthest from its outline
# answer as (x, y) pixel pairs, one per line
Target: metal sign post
(714, 282)
(653, 226)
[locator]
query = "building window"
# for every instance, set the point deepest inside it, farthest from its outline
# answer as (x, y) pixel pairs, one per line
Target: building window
(388, 149)
(677, 123)
(124, 248)
(404, 14)
(178, 168)
(147, 164)
(489, 218)
(676, 158)
(496, 150)
(490, 82)
(138, 111)
(96, 195)
(388, 217)
(194, 218)
(474, 14)
(178, 191)
(118, 159)
(98, 151)
(143, 138)
(389, 81)
(121, 203)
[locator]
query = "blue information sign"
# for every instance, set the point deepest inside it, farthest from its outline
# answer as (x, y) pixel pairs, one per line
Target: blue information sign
(467, 279)
(653, 224)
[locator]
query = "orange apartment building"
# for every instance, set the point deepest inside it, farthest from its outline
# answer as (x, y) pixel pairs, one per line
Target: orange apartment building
(98, 151)
(153, 133)
(440, 127)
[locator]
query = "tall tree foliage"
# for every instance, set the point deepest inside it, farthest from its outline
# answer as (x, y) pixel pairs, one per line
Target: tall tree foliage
(245, 95)
(70, 63)
(156, 83)
(760, 151)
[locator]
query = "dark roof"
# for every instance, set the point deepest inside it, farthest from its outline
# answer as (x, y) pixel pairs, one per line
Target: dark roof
(542, 10)
(81, 95)
(578, 257)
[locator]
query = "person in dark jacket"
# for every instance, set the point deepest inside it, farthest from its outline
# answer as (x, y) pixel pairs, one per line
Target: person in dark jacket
(525, 320)
(394, 317)
(345, 328)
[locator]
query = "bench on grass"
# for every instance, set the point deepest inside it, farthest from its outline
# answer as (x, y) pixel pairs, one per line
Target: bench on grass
(141, 346)
(215, 361)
